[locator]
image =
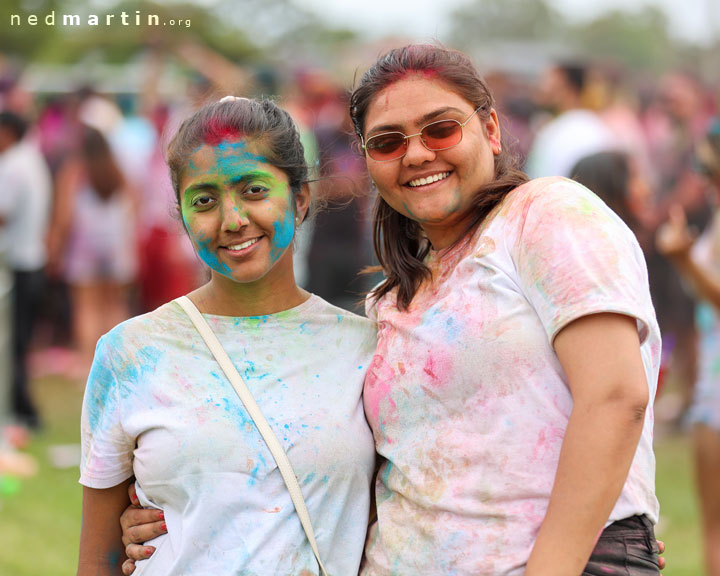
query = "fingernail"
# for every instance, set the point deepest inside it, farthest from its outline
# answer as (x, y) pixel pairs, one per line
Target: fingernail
(161, 515)
(163, 527)
(149, 551)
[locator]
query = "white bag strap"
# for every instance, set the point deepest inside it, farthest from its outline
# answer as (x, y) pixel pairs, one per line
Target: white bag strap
(256, 414)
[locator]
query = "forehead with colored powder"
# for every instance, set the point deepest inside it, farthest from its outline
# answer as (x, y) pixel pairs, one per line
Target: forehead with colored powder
(226, 157)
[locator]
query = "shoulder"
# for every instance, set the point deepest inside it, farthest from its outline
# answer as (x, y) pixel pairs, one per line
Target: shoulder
(554, 195)
(343, 319)
(145, 328)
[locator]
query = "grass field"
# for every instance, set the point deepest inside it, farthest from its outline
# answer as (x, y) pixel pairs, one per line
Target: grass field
(40, 525)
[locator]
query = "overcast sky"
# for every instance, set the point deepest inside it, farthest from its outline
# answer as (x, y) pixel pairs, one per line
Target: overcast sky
(427, 19)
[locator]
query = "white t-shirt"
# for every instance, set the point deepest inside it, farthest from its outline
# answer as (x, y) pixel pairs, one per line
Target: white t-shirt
(25, 206)
(467, 399)
(563, 141)
(158, 406)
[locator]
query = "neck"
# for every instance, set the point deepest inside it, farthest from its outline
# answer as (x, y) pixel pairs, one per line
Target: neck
(444, 236)
(223, 296)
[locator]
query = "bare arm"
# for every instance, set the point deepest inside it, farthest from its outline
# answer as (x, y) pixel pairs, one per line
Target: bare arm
(600, 355)
(101, 548)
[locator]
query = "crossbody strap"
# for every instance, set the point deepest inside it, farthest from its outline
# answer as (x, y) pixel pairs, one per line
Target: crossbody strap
(256, 414)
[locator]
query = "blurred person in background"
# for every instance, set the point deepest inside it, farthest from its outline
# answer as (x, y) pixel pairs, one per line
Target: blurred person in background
(574, 131)
(698, 263)
(615, 101)
(340, 245)
(617, 178)
(25, 196)
(167, 263)
(675, 121)
(93, 241)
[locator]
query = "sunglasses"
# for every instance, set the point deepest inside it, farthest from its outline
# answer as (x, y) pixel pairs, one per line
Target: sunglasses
(435, 136)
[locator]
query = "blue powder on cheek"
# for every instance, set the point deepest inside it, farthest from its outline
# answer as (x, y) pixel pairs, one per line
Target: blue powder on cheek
(210, 258)
(202, 247)
(284, 232)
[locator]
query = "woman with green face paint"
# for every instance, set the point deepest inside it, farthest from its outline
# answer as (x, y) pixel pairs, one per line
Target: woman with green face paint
(158, 407)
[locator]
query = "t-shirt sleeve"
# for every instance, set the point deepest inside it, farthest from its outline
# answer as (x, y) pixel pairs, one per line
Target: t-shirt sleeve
(575, 257)
(107, 451)
(371, 304)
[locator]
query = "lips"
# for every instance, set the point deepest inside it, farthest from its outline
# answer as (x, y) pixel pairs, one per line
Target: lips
(429, 179)
(240, 246)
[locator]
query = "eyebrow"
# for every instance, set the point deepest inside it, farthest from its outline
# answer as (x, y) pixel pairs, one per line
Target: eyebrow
(424, 119)
(251, 175)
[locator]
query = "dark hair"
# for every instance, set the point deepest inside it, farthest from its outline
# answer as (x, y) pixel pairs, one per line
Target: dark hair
(243, 118)
(607, 174)
(103, 172)
(14, 123)
(400, 243)
(575, 74)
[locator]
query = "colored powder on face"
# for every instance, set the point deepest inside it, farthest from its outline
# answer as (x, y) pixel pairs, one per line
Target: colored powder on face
(233, 157)
(208, 256)
(283, 236)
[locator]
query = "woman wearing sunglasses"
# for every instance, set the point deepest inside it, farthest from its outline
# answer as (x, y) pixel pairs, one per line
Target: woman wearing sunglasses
(517, 346)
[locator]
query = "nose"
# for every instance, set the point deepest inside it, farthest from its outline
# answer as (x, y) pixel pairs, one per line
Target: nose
(234, 215)
(416, 152)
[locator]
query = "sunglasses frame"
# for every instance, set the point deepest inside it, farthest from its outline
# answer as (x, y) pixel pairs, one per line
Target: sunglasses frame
(364, 144)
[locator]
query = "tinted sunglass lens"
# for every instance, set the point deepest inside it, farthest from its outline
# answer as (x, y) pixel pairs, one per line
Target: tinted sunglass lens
(386, 146)
(440, 135)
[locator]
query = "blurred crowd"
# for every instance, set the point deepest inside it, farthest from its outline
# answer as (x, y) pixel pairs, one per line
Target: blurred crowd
(89, 233)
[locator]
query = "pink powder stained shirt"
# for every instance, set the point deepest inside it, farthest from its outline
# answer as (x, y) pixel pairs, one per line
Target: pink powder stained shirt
(466, 398)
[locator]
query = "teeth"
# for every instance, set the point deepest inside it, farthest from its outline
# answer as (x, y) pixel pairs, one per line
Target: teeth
(428, 180)
(243, 245)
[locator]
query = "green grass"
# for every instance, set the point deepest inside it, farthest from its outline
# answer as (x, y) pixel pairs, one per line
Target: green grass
(679, 524)
(40, 525)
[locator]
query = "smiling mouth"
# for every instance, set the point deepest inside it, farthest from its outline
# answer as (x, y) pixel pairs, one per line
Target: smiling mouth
(242, 246)
(428, 180)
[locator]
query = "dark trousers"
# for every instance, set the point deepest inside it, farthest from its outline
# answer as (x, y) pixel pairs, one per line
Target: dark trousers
(625, 548)
(26, 297)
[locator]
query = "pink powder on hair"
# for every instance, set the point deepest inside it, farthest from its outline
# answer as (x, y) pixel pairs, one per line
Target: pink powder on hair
(216, 132)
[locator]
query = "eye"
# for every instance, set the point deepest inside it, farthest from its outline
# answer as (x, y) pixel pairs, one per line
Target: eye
(386, 142)
(256, 191)
(203, 201)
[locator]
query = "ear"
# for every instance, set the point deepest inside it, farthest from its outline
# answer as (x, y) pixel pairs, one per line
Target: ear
(302, 201)
(491, 125)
